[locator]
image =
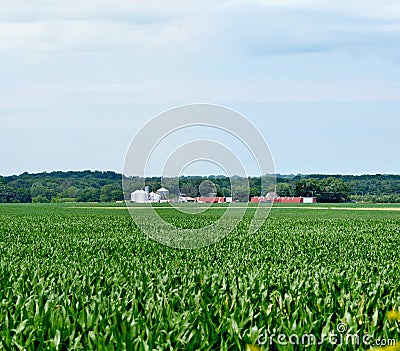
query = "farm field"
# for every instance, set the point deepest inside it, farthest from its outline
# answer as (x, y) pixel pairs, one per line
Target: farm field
(83, 277)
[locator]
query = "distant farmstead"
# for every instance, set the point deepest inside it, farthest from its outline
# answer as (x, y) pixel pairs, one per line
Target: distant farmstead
(163, 195)
(143, 196)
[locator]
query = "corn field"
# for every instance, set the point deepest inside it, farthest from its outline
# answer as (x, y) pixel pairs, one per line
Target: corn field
(88, 279)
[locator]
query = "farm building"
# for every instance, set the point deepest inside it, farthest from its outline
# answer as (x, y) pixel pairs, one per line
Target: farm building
(184, 198)
(139, 196)
(309, 200)
(164, 193)
(210, 199)
(154, 197)
(283, 199)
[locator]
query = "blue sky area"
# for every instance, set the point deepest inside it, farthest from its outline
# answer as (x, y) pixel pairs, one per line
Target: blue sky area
(320, 80)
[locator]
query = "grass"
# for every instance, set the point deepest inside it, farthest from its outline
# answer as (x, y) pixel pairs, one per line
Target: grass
(76, 278)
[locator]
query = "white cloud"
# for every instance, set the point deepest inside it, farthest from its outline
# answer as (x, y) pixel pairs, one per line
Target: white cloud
(56, 35)
(140, 11)
(86, 25)
(254, 26)
(192, 51)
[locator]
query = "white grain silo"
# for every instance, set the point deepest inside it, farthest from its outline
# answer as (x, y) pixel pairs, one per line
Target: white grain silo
(141, 197)
(164, 193)
(133, 196)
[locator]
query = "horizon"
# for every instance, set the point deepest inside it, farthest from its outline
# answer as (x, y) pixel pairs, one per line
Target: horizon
(201, 175)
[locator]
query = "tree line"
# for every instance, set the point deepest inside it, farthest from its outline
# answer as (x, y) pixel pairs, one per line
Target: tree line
(105, 186)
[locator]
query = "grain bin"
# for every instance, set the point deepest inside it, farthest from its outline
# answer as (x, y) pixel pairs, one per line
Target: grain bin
(139, 196)
(164, 193)
(133, 196)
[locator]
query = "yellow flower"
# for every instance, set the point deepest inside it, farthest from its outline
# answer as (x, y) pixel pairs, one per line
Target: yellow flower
(252, 348)
(390, 348)
(393, 315)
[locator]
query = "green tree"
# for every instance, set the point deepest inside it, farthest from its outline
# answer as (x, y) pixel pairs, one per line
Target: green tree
(40, 198)
(70, 192)
(23, 195)
(5, 193)
(89, 195)
(254, 192)
(111, 192)
(38, 188)
(207, 188)
(189, 190)
(333, 190)
(284, 189)
(306, 187)
(240, 189)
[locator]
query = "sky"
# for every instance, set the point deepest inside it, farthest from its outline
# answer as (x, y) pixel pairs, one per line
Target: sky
(319, 79)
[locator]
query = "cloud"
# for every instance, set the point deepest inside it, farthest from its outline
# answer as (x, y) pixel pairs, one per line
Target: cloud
(79, 25)
(86, 35)
(86, 51)
(254, 27)
(279, 30)
(74, 9)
